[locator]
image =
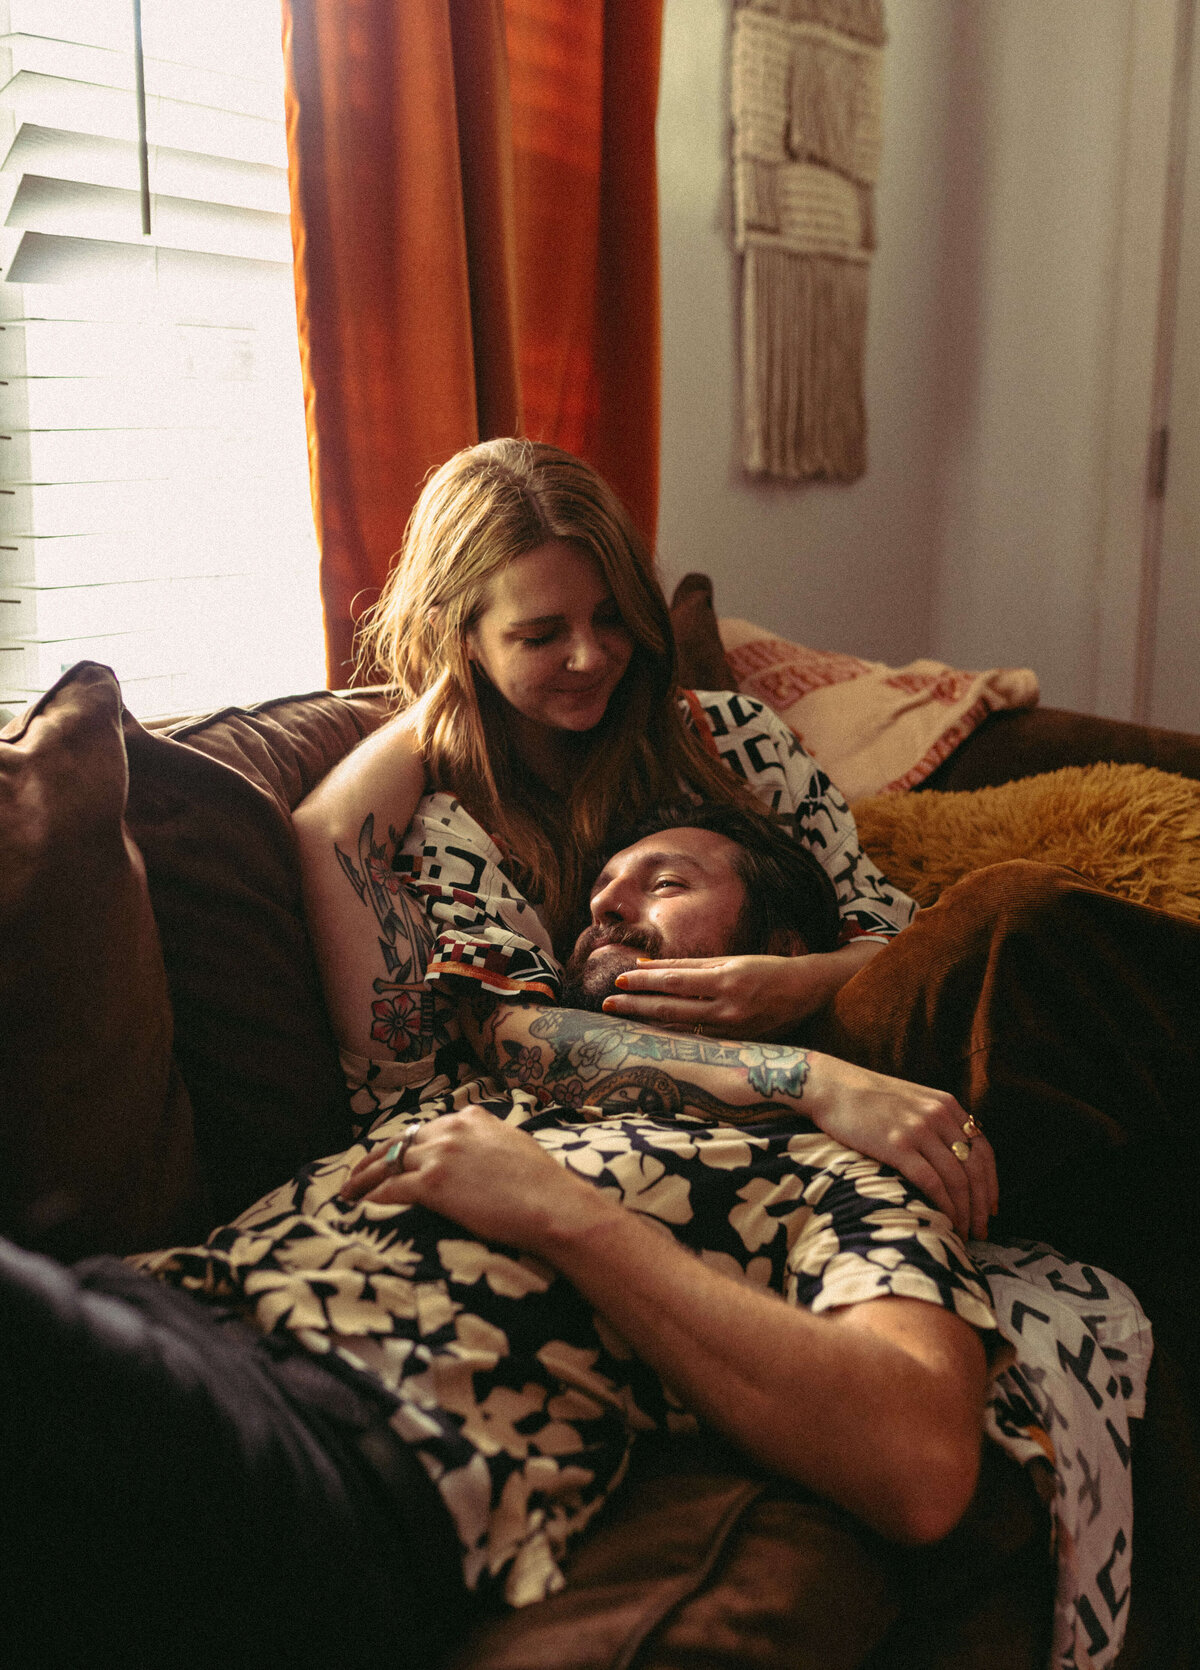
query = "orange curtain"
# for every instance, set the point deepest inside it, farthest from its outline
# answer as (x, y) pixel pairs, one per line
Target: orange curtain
(474, 220)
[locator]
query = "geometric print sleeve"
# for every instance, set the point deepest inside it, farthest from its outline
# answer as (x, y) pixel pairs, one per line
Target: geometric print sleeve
(484, 931)
(1081, 1350)
(756, 744)
(478, 930)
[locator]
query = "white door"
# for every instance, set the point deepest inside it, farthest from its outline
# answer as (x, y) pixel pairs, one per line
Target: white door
(1175, 678)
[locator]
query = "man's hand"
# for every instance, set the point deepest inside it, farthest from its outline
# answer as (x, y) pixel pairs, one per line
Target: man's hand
(911, 1128)
(488, 1176)
(877, 1405)
(736, 997)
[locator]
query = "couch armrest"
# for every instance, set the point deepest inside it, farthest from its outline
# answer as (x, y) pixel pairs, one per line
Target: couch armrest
(699, 1563)
(1022, 742)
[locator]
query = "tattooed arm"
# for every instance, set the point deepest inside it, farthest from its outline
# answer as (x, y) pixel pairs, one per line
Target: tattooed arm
(583, 1059)
(347, 832)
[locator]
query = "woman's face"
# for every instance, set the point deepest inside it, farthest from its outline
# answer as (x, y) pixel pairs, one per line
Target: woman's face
(551, 638)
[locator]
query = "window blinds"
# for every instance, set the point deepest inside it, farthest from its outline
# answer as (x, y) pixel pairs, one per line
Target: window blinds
(154, 509)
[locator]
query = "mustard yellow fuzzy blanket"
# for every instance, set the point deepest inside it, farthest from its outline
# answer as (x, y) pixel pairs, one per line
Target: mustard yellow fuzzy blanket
(1132, 829)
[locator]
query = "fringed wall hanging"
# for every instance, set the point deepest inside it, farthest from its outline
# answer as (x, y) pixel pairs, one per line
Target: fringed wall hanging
(806, 105)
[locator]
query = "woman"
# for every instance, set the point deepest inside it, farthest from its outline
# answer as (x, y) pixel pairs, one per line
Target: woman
(530, 650)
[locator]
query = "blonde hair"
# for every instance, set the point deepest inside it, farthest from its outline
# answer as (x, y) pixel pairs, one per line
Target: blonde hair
(484, 508)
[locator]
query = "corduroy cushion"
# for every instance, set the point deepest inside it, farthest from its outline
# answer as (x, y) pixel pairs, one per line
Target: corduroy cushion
(208, 806)
(699, 1567)
(286, 745)
(95, 1128)
(1025, 742)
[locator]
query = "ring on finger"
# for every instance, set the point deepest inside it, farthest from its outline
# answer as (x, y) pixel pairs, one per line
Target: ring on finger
(961, 1150)
(971, 1128)
(698, 1029)
(397, 1153)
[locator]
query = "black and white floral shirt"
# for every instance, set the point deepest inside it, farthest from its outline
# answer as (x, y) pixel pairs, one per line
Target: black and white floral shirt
(522, 1403)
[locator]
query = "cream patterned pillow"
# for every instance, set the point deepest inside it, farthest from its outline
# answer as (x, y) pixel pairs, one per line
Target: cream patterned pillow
(872, 728)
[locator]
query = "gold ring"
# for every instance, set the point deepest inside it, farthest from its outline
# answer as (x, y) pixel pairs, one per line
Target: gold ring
(971, 1129)
(961, 1151)
(396, 1154)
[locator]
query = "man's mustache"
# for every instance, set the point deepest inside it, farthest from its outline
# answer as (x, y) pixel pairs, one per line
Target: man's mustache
(599, 934)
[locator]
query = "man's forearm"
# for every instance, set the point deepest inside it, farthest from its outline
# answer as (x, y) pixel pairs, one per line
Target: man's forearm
(877, 1406)
(583, 1059)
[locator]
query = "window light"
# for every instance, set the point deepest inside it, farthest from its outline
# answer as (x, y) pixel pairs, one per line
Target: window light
(154, 508)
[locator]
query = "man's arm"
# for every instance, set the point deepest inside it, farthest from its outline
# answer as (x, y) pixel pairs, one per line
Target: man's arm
(583, 1059)
(878, 1406)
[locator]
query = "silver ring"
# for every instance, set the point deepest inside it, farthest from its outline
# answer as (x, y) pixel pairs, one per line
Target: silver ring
(396, 1154)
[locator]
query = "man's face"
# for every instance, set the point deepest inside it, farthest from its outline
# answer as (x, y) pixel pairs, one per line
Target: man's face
(674, 894)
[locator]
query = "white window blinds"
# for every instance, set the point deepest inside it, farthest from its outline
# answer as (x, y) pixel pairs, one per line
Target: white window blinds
(154, 508)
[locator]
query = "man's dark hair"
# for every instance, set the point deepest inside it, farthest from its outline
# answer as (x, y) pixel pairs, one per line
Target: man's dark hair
(786, 887)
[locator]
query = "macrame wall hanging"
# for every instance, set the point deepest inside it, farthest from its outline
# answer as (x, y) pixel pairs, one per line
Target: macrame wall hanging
(806, 105)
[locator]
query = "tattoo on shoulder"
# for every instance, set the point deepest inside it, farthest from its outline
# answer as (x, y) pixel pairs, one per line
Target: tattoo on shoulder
(405, 934)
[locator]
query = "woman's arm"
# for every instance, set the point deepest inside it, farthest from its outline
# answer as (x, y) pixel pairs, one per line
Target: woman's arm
(876, 1405)
(738, 997)
(347, 833)
(586, 1060)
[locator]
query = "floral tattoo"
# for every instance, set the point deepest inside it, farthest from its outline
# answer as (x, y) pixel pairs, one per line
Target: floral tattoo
(583, 1059)
(403, 1012)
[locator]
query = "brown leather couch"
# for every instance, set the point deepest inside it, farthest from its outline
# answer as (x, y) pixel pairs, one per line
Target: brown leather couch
(165, 1057)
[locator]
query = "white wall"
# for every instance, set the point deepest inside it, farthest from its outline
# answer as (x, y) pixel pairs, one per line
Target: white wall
(1031, 237)
(835, 566)
(975, 533)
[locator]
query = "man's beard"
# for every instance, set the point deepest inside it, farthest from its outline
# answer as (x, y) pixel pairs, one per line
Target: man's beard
(586, 988)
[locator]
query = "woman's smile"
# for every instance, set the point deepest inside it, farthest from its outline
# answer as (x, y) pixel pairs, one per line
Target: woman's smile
(551, 640)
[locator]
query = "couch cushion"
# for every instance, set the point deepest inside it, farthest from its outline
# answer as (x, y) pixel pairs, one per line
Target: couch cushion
(286, 745)
(702, 663)
(696, 1563)
(1025, 742)
(96, 1134)
(208, 806)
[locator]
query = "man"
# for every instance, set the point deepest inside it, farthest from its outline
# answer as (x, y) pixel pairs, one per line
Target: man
(425, 1365)
(1061, 1017)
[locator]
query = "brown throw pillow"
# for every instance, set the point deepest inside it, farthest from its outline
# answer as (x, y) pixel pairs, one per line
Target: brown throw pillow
(1131, 828)
(724, 1568)
(208, 806)
(702, 664)
(95, 1128)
